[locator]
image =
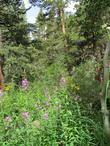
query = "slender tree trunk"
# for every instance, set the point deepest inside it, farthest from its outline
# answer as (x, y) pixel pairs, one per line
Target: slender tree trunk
(62, 20)
(106, 63)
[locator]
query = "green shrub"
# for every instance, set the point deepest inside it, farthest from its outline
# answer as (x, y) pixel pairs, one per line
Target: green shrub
(83, 83)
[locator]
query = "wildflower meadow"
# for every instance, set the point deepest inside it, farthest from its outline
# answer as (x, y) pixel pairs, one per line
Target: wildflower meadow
(34, 117)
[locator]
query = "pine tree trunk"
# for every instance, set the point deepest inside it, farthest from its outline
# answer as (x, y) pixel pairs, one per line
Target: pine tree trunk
(62, 20)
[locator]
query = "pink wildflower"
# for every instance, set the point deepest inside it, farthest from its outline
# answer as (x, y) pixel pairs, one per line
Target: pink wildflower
(25, 84)
(25, 115)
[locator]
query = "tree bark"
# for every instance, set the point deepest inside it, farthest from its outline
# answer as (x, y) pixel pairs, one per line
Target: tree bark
(62, 20)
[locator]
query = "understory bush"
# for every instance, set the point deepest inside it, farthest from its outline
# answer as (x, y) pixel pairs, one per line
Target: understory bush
(83, 85)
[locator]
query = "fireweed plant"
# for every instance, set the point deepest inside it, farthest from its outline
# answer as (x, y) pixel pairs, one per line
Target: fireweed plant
(45, 116)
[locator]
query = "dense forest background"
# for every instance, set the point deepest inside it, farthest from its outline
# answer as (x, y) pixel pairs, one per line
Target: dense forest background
(56, 36)
(61, 55)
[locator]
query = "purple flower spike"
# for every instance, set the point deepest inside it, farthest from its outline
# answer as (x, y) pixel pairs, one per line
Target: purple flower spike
(46, 116)
(25, 84)
(25, 115)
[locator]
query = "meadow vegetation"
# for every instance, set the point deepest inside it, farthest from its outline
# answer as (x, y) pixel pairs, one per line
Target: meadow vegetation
(52, 73)
(48, 114)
